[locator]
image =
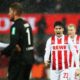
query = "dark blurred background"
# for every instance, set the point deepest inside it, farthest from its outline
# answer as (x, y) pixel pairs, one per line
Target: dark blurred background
(44, 6)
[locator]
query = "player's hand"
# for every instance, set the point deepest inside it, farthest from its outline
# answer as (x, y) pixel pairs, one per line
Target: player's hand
(77, 72)
(18, 48)
(47, 64)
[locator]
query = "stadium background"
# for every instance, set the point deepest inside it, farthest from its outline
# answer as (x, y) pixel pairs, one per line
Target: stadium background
(41, 14)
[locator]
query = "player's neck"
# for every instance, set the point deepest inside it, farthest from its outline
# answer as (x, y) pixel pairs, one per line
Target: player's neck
(60, 36)
(72, 36)
(16, 18)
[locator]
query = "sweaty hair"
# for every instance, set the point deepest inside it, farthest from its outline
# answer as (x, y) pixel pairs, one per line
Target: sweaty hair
(58, 23)
(17, 7)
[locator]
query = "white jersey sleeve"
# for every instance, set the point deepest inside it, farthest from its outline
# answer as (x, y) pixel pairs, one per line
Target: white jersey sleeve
(3, 45)
(79, 53)
(73, 50)
(47, 50)
(79, 56)
(71, 46)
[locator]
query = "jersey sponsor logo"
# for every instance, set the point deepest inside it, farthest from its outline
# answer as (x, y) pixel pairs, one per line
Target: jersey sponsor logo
(59, 47)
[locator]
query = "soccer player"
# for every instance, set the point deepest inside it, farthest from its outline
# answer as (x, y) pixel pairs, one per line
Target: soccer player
(74, 66)
(58, 46)
(21, 60)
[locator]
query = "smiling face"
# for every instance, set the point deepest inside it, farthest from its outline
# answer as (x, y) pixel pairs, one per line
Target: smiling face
(58, 30)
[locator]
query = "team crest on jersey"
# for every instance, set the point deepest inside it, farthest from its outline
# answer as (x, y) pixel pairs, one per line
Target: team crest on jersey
(13, 31)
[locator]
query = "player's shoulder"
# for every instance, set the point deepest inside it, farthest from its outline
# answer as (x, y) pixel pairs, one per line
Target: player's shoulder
(50, 38)
(20, 22)
(26, 24)
(78, 36)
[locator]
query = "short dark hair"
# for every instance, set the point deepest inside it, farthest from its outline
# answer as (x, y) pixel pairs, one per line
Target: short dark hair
(18, 7)
(58, 23)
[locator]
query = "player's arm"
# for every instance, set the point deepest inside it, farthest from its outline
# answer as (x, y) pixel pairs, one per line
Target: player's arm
(78, 70)
(79, 54)
(47, 53)
(74, 52)
(14, 36)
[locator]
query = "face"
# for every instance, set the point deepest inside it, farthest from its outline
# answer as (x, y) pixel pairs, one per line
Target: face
(71, 31)
(11, 14)
(58, 31)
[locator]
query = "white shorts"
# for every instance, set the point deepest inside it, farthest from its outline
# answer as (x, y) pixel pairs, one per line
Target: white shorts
(72, 75)
(59, 74)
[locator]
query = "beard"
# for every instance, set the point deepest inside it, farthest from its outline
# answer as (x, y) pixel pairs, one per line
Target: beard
(12, 19)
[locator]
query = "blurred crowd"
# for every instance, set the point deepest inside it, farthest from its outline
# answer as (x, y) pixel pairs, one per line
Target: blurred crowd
(44, 6)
